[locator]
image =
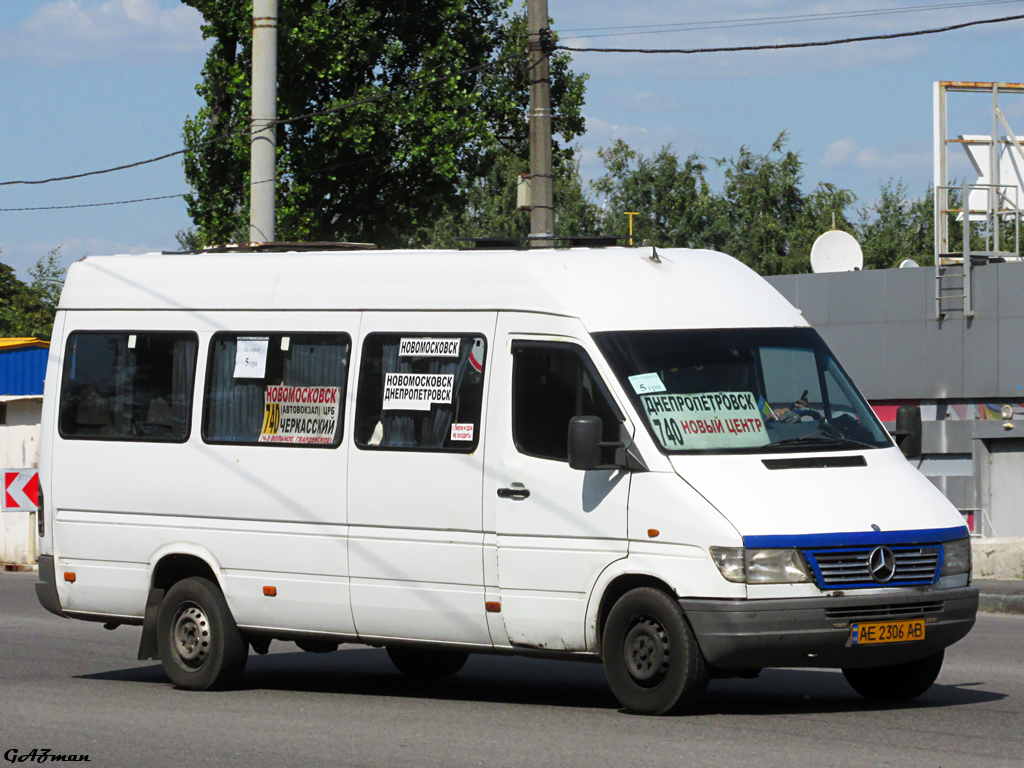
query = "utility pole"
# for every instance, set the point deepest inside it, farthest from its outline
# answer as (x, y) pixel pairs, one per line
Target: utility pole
(542, 211)
(263, 146)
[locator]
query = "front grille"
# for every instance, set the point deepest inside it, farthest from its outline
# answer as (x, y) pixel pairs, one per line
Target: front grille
(847, 567)
(868, 613)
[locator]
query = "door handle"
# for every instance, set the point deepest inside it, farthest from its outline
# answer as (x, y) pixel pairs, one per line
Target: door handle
(517, 491)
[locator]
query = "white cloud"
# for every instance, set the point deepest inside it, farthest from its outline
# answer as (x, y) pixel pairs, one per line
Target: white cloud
(846, 153)
(603, 128)
(839, 153)
(65, 31)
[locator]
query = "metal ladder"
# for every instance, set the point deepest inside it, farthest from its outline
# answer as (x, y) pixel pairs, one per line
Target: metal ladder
(953, 268)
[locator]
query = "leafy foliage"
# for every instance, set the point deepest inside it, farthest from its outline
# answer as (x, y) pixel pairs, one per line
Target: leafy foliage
(414, 138)
(896, 227)
(487, 207)
(28, 310)
(761, 216)
(672, 198)
(417, 151)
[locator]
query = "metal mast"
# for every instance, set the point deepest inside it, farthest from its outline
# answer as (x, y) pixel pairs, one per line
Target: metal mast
(262, 169)
(542, 211)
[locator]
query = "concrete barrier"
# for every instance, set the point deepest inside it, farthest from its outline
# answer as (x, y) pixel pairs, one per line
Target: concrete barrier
(1001, 559)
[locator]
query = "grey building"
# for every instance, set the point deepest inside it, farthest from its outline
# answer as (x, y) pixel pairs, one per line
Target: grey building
(965, 371)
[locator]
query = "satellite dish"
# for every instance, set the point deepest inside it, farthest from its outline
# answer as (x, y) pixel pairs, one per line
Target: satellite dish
(836, 251)
(908, 263)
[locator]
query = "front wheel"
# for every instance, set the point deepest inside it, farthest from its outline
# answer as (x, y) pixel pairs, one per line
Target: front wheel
(651, 658)
(414, 661)
(200, 646)
(896, 682)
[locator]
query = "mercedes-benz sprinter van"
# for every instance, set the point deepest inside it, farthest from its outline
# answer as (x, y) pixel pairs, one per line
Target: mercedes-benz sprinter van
(642, 457)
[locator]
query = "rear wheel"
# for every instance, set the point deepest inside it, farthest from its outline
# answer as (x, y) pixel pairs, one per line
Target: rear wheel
(200, 645)
(413, 661)
(896, 682)
(651, 658)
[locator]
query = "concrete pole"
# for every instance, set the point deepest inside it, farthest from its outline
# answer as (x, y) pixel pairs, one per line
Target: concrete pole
(262, 167)
(542, 211)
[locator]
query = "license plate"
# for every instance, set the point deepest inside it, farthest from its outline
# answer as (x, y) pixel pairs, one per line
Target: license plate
(874, 632)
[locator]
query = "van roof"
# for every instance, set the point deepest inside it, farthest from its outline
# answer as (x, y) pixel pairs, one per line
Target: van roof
(608, 289)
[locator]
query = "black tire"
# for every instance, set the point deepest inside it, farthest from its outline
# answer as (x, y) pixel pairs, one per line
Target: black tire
(896, 682)
(200, 646)
(415, 661)
(651, 658)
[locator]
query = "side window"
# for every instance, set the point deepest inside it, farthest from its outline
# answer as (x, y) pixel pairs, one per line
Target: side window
(276, 388)
(551, 383)
(127, 385)
(420, 392)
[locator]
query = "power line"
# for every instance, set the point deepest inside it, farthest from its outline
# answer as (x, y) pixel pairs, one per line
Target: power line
(282, 121)
(768, 20)
(382, 96)
(297, 174)
(91, 205)
(781, 46)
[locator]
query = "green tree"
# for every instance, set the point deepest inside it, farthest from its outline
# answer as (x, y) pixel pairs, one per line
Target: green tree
(405, 152)
(764, 203)
(28, 310)
(673, 199)
(48, 278)
(487, 206)
(896, 227)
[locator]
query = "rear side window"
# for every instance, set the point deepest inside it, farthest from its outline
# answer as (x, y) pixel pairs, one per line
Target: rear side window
(276, 388)
(419, 392)
(128, 386)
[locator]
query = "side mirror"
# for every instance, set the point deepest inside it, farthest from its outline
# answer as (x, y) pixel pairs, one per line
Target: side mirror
(908, 430)
(585, 446)
(585, 442)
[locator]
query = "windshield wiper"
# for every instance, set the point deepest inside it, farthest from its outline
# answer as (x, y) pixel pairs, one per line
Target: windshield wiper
(825, 435)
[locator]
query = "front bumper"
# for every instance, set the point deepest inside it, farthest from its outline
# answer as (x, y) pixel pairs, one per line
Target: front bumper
(815, 631)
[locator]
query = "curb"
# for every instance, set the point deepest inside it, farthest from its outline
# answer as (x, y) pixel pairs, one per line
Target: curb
(1012, 604)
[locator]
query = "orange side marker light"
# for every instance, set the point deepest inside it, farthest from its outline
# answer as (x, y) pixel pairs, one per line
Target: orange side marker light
(270, 591)
(69, 576)
(653, 533)
(493, 606)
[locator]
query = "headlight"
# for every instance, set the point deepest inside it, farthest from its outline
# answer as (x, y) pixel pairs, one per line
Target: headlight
(761, 566)
(730, 562)
(956, 557)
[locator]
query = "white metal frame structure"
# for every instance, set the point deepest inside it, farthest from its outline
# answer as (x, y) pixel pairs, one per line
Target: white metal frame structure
(953, 268)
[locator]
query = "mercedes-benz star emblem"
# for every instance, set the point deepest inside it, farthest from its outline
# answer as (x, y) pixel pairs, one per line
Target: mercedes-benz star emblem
(882, 564)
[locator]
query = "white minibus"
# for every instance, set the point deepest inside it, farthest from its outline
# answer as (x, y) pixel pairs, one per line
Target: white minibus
(646, 458)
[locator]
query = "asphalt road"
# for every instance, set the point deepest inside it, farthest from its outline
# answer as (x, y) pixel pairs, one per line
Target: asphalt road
(74, 688)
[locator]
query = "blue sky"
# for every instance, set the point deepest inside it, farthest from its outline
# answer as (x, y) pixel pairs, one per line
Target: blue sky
(89, 84)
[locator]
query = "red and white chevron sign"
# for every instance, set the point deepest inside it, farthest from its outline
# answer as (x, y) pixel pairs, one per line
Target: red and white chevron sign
(21, 490)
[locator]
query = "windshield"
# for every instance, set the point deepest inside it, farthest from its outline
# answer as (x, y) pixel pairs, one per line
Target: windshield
(745, 389)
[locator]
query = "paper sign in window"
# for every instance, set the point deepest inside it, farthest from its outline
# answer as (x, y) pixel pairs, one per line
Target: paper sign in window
(416, 391)
(462, 432)
(706, 420)
(251, 357)
(307, 415)
(643, 383)
(428, 347)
